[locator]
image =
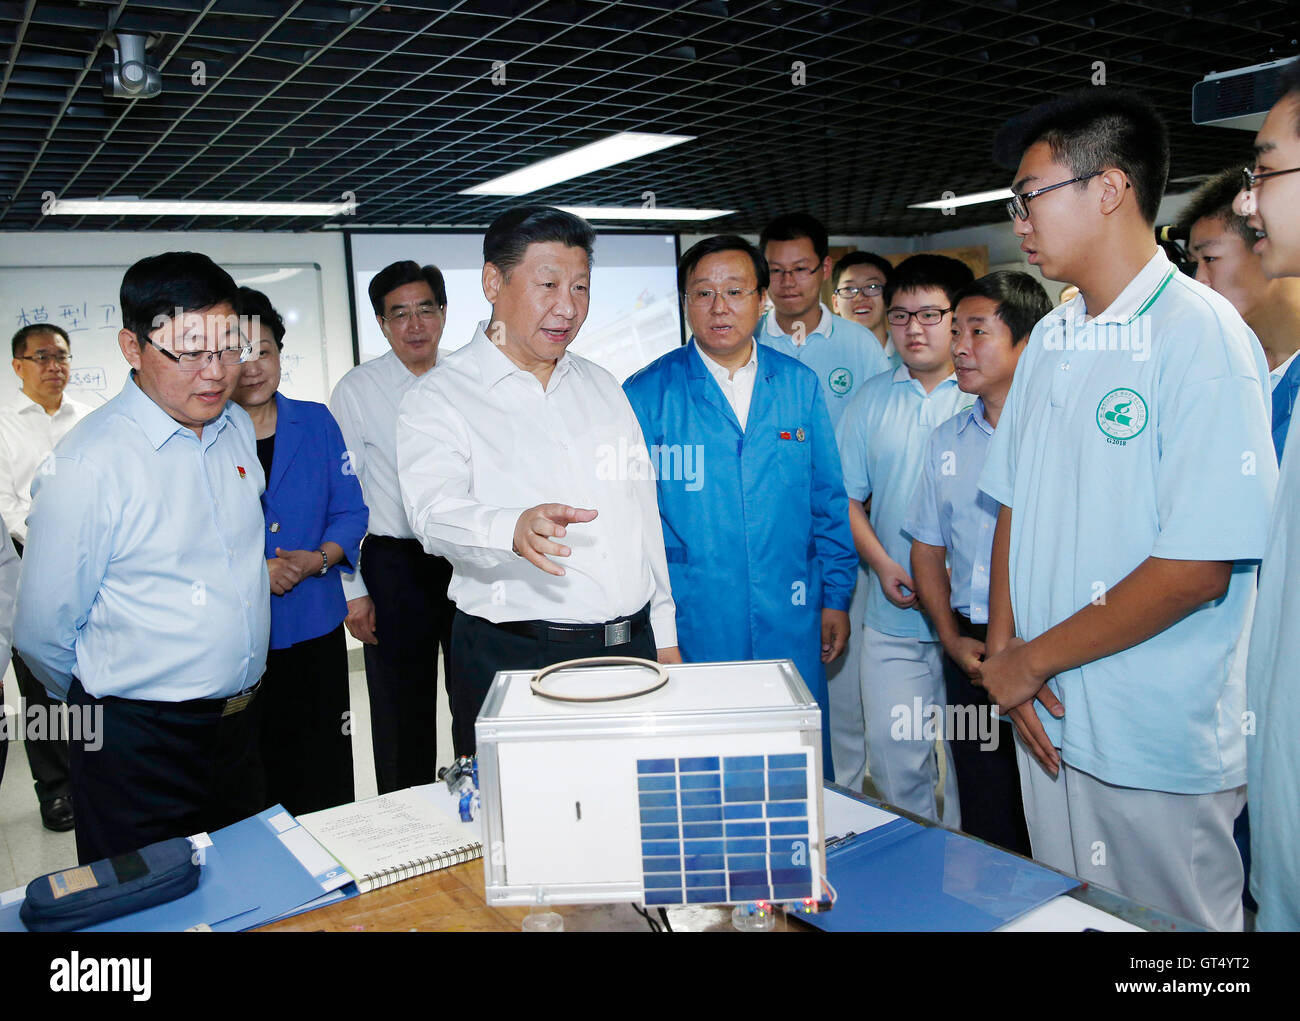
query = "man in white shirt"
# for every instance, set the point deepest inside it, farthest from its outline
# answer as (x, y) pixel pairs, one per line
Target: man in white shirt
(30, 425)
(397, 601)
(508, 445)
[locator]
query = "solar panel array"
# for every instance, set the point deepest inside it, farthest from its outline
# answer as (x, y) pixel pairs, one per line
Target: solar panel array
(725, 829)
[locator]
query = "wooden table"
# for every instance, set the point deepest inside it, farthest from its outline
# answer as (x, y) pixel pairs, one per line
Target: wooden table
(453, 900)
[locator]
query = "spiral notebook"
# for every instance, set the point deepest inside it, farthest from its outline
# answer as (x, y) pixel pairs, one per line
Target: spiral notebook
(395, 836)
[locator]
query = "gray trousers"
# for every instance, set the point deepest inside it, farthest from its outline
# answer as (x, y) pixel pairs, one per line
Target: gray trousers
(1174, 852)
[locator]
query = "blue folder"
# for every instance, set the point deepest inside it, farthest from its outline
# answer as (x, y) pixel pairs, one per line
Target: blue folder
(905, 877)
(250, 876)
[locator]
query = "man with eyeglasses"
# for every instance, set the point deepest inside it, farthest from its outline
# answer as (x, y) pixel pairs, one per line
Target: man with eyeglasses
(859, 280)
(144, 600)
(1270, 201)
(30, 425)
(844, 354)
(760, 555)
(882, 440)
(1135, 471)
(397, 602)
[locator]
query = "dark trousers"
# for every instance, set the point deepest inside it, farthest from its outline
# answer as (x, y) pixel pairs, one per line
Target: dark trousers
(480, 648)
(412, 619)
(306, 734)
(47, 757)
(988, 780)
(155, 770)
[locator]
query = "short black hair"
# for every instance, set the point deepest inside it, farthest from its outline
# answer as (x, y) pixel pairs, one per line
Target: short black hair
(1020, 298)
(1093, 129)
(20, 338)
(847, 262)
(399, 274)
(155, 287)
(1213, 200)
(1288, 84)
(255, 303)
(928, 270)
(510, 234)
(722, 243)
(792, 227)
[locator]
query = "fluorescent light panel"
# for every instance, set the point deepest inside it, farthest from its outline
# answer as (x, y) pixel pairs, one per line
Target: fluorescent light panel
(975, 198)
(642, 213)
(130, 207)
(626, 145)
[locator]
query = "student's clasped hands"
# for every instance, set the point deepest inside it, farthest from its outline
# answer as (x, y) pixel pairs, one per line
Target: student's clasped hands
(1013, 685)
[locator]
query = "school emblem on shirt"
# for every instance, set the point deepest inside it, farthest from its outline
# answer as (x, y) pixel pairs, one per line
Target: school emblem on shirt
(840, 381)
(1121, 415)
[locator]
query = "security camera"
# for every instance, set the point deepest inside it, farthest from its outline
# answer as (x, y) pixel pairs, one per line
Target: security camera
(131, 76)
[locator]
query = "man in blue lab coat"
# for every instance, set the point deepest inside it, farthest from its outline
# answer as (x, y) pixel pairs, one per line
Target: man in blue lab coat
(751, 496)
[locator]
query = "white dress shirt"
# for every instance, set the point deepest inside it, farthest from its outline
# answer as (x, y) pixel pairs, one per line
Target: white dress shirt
(365, 405)
(737, 387)
(27, 436)
(479, 442)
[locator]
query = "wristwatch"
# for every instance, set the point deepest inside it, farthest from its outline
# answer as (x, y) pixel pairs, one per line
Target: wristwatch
(324, 564)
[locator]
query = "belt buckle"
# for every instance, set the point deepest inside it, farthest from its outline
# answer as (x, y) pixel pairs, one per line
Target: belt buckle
(618, 633)
(236, 704)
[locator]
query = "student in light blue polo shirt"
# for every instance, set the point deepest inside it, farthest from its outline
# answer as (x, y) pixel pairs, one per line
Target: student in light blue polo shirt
(1135, 471)
(843, 354)
(950, 519)
(1272, 208)
(882, 441)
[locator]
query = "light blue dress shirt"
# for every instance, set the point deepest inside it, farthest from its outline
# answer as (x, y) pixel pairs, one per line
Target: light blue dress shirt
(949, 510)
(1143, 432)
(882, 439)
(144, 572)
(842, 353)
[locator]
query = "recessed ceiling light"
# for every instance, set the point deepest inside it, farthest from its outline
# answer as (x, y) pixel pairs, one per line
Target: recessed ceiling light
(965, 200)
(149, 207)
(643, 213)
(627, 145)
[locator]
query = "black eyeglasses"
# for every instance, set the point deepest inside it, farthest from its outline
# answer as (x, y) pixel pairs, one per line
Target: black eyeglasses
(1250, 179)
(45, 357)
(870, 290)
(924, 316)
(1018, 205)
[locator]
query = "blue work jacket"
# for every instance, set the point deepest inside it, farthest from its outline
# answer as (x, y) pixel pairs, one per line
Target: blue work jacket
(312, 497)
(757, 532)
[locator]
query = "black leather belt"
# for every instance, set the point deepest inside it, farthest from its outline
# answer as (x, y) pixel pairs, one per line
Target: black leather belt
(615, 632)
(967, 629)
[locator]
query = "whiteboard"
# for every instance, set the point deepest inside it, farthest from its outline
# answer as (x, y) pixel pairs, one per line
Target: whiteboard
(84, 301)
(634, 316)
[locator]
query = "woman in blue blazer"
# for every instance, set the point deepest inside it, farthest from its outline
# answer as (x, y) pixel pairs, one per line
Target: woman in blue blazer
(315, 519)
